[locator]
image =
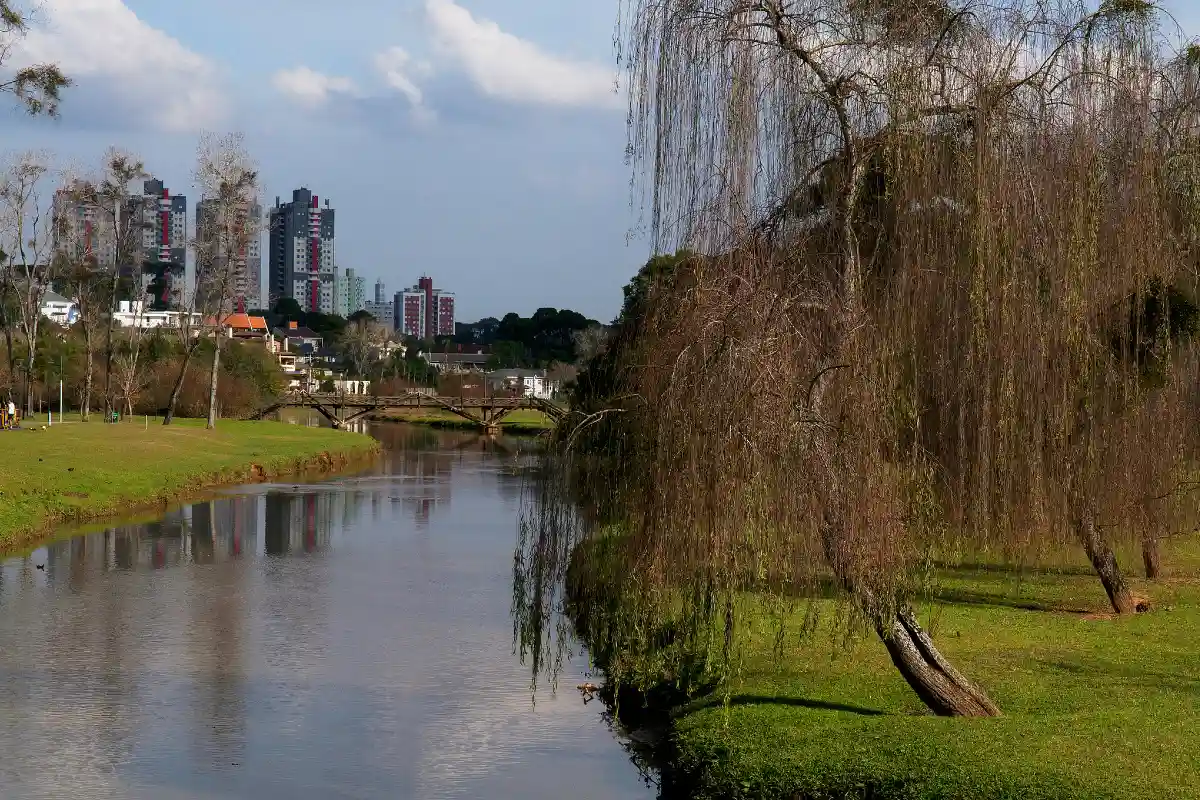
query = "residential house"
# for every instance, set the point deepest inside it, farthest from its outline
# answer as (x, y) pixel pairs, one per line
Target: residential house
(474, 361)
(300, 341)
(135, 314)
(295, 335)
(244, 326)
(58, 309)
(298, 377)
(526, 382)
(298, 349)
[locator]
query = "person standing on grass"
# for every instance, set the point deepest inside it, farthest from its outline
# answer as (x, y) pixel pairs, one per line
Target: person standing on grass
(11, 418)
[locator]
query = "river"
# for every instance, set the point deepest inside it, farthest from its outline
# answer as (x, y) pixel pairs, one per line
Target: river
(342, 638)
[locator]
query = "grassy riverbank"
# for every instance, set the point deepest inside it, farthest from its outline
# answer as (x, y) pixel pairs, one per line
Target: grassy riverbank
(1095, 707)
(75, 472)
(523, 421)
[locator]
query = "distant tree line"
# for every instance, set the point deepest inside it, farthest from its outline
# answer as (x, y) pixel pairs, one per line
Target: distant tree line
(549, 336)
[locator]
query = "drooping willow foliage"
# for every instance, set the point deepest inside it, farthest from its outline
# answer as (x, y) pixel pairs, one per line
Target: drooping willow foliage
(940, 306)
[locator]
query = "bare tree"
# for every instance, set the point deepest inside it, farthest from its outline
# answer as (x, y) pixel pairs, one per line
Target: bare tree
(80, 247)
(589, 342)
(36, 86)
(77, 248)
(228, 182)
(362, 343)
(88, 286)
(191, 328)
(26, 236)
(8, 321)
(129, 367)
(111, 201)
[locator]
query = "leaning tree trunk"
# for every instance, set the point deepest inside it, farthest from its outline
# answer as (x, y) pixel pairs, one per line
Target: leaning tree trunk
(1150, 556)
(187, 361)
(946, 691)
(212, 384)
(1104, 561)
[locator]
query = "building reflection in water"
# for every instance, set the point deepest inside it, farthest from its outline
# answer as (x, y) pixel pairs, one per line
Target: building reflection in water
(282, 520)
(223, 633)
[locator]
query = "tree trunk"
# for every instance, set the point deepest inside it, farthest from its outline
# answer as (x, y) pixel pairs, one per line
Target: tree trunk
(12, 357)
(212, 384)
(940, 686)
(29, 381)
(187, 360)
(108, 345)
(1105, 563)
(87, 378)
(1150, 556)
(945, 690)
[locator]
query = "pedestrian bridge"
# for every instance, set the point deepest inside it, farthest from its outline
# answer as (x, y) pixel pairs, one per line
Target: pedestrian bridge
(484, 412)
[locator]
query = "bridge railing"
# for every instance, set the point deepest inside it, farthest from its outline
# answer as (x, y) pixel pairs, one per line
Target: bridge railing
(413, 399)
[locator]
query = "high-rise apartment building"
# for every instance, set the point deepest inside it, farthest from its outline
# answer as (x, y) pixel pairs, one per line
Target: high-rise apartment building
(353, 293)
(301, 257)
(163, 220)
(381, 308)
(423, 311)
(83, 230)
(154, 228)
(245, 287)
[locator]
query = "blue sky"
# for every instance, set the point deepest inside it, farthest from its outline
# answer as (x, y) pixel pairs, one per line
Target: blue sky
(478, 141)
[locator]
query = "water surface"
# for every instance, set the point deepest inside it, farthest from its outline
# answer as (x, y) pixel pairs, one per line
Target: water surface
(349, 638)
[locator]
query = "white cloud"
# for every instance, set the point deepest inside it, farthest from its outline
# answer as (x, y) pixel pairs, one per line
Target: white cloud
(499, 64)
(508, 68)
(311, 88)
(104, 43)
(395, 64)
(401, 72)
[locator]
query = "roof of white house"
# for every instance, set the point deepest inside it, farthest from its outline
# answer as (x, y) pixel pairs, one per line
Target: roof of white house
(55, 297)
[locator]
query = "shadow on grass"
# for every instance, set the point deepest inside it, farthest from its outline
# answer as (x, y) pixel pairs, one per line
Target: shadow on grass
(964, 597)
(967, 569)
(801, 702)
(1108, 671)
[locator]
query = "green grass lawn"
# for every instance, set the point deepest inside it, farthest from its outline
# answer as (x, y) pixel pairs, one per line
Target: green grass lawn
(79, 471)
(1094, 707)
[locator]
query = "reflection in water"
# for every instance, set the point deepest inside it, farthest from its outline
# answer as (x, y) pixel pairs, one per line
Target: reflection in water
(346, 638)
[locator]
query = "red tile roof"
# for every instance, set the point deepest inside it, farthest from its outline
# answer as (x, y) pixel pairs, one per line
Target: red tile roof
(245, 322)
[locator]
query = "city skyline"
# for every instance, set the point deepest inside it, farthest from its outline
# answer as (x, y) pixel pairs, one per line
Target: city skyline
(541, 161)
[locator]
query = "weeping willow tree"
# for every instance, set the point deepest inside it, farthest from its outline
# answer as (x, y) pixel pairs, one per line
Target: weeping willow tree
(932, 234)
